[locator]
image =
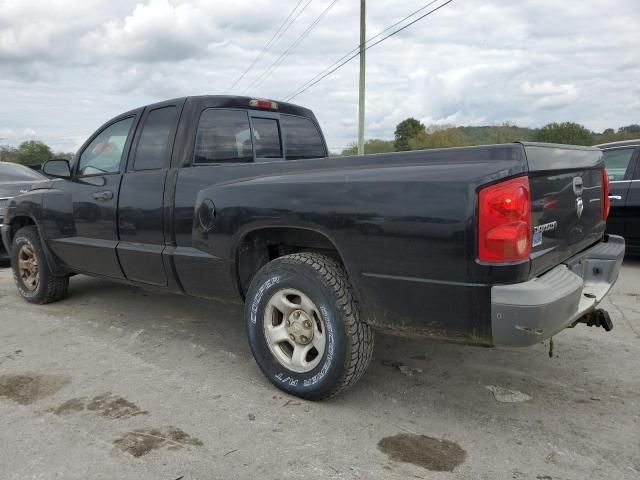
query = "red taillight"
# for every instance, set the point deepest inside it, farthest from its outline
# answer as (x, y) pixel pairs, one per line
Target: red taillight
(606, 202)
(263, 104)
(504, 222)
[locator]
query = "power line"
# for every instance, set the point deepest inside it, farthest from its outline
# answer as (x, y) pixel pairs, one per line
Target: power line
(286, 53)
(340, 65)
(274, 38)
(291, 47)
(368, 40)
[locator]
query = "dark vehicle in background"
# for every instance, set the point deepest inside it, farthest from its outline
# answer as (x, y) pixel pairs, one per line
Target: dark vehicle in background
(622, 161)
(14, 180)
(237, 198)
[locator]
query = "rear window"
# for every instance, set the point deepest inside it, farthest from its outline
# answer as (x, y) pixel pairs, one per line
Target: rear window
(266, 136)
(302, 138)
(154, 148)
(617, 162)
(223, 136)
(226, 135)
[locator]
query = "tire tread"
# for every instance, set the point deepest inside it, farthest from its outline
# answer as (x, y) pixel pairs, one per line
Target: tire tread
(55, 286)
(334, 276)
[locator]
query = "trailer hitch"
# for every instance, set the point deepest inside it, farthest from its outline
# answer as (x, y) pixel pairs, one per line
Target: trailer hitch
(597, 318)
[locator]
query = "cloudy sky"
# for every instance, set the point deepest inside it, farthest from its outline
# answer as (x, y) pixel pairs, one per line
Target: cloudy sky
(66, 66)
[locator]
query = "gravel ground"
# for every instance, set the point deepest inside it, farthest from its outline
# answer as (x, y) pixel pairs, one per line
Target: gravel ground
(121, 382)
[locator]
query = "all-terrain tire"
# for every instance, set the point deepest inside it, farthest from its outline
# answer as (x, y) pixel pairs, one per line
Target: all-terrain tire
(50, 288)
(349, 341)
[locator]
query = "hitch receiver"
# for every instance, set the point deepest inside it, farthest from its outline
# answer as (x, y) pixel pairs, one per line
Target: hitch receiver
(597, 318)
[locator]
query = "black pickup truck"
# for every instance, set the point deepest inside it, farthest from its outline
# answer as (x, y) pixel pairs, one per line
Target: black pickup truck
(237, 198)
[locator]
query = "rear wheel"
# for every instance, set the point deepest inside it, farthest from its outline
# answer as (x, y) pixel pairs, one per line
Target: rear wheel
(304, 326)
(35, 281)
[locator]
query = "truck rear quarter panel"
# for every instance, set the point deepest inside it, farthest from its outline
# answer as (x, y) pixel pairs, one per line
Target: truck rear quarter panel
(403, 224)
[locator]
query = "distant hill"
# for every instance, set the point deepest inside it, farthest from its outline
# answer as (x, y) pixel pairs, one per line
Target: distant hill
(436, 136)
(488, 134)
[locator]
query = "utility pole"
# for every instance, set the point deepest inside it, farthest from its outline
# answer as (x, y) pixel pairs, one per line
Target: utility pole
(362, 79)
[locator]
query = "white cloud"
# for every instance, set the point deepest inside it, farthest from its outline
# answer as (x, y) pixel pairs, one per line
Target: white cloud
(545, 88)
(67, 66)
(157, 31)
(11, 135)
(550, 95)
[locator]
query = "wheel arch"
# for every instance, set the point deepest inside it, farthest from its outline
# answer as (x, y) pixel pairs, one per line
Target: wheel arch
(24, 220)
(258, 246)
(17, 222)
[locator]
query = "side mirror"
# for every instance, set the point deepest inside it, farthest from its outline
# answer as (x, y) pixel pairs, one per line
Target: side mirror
(57, 168)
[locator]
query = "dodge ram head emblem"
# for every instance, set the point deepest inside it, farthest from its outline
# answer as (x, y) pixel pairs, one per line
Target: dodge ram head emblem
(579, 206)
(577, 186)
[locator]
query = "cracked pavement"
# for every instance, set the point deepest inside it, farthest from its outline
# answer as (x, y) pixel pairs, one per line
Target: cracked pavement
(123, 382)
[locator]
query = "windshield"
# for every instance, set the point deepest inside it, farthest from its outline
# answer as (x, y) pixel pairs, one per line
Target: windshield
(14, 172)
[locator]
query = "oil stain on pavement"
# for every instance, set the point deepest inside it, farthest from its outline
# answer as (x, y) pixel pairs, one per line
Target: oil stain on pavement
(28, 388)
(70, 406)
(427, 452)
(112, 406)
(140, 442)
(106, 405)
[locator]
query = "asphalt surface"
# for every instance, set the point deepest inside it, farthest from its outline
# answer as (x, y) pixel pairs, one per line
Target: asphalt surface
(117, 382)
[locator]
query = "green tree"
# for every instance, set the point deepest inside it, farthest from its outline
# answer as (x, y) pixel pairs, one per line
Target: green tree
(8, 154)
(507, 133)
(634, 128)
(63, 155)
(373, 145)
(609, 135)
(567, 133)
(439, 137)
(33, 152)
(405, 131)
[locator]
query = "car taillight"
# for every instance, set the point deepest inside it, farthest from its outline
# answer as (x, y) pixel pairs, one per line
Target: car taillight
(504, 221)
(606, 202)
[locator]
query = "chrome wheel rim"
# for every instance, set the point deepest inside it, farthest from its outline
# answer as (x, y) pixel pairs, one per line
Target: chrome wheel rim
(294, 330)
(28, 267)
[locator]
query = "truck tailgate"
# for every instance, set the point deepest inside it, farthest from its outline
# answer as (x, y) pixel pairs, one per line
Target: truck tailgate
(567, 198)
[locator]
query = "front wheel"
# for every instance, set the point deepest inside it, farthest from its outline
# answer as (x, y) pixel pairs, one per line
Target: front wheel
(304, 326)
(35, 281)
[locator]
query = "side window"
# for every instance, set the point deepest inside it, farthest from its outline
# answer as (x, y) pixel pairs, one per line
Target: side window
(266, 136)
(104, 153)
(617, 163)
(302, 138)
(154, 147)
(223, 136)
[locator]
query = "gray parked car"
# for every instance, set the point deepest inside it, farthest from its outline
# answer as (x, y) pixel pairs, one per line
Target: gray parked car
(14, 180)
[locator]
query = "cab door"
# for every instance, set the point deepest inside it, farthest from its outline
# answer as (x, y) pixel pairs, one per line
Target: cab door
(141, 204)
(87, 226)
(632, 208)
(620, 164)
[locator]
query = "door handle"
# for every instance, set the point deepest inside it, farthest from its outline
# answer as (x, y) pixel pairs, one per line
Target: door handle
(615, 197)
(104, 195)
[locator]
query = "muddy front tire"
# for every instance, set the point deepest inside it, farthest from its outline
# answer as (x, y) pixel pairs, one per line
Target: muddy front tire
(35, 281)
(304, 326)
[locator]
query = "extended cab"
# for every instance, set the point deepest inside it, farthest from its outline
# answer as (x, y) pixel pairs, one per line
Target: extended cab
(237, 198)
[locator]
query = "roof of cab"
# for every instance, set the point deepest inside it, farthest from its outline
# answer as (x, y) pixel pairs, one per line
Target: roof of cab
(235, 101)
